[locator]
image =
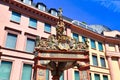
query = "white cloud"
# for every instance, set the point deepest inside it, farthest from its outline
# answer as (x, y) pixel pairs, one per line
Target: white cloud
(113, 5)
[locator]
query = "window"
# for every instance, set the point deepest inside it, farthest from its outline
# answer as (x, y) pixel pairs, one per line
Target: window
(41, 7)
(100, 46)
(53, 12)
(93, 44)
(15, 17)
(102, 62)
(97, 77)
(47, 74)
(26, 72)
(47, 28)
(83, 39)
(11, 41)
(5, 70)
(105, 77)
(95, 61)
(30, 45)
(62, 76)
(111, 47)
(77, 76)
(76, 36)
(33, 23)
(27, 1)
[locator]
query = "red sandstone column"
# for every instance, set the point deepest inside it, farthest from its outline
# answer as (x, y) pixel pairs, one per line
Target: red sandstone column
(111, 68)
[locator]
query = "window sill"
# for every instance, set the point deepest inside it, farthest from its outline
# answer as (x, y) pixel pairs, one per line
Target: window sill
(14, 22)
(95, 65)
(93, 48)
(47, 32)
(17, 50)
(103, 67)
(32, 27)
(99, 67)
(101, 50)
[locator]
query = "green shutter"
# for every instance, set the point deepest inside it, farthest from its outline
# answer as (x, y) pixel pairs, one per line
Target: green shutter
(26, 72)
(5, 70)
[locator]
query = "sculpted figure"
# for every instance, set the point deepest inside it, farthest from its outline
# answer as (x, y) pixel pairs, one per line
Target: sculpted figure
(52, 42)
(60, 29)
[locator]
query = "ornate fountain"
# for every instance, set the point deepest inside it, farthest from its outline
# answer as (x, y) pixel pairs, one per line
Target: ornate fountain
(60, 52)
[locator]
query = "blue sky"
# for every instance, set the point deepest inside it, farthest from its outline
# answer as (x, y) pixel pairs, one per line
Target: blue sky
(104, 12)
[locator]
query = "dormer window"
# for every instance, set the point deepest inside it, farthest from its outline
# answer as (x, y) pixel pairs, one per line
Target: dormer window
(27, 1)
(117, 36)
(53, 11)
(41, 6)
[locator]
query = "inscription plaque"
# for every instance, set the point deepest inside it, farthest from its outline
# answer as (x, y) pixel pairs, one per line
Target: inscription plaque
(62, 55)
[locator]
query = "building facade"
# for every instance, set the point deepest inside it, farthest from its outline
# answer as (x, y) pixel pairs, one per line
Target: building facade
(21, 21)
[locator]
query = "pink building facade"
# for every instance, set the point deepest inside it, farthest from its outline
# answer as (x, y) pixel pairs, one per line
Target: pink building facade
(20, 24)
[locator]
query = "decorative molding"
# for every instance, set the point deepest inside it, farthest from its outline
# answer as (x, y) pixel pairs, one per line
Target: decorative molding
(12, 29)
